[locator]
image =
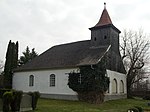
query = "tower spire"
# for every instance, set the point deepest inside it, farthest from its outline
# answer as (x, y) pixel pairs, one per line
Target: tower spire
(105, 18)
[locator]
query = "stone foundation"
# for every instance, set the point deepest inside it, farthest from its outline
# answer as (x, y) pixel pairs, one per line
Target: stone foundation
(114, 97)
(74, 97)
(60, 96)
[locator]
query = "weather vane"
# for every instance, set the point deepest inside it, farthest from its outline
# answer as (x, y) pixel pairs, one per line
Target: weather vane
(104, 5)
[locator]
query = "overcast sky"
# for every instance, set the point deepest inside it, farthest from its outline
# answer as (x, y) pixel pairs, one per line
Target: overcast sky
(40, 24)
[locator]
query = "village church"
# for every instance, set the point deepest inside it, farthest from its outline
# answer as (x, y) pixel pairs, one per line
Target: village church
(48, 72)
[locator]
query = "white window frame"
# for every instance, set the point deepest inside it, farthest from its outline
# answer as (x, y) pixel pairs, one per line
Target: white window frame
(52, 80)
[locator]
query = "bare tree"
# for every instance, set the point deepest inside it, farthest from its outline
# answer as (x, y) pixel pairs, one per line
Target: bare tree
(1, 73)
(134, 49)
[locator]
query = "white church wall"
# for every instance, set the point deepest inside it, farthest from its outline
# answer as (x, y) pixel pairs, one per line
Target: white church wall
(42, 81)
(118, 77)
(119, 93)
(61, 89)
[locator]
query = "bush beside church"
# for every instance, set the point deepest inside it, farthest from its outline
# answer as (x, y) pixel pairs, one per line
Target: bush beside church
(14, 100)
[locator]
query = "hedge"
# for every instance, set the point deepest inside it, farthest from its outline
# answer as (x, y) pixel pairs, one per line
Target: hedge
(35, 96)
(7, 99)
(2, 91)
(11, 100)
(15, 104)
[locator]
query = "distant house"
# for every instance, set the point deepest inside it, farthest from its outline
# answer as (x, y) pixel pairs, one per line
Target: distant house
(48, 73)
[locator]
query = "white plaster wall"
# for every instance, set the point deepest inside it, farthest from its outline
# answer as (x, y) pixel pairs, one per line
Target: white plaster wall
(118, 76)
(41, 81)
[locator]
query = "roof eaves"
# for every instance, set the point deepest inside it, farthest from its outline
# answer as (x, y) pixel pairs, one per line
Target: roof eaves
(38, 69)
(104, 53)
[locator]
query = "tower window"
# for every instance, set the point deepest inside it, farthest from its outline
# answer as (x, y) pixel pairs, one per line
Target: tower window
(95, 39)
(105, 37)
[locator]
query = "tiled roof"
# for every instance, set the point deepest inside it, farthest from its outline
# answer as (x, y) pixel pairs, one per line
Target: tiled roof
(66, 55)
(104, 19)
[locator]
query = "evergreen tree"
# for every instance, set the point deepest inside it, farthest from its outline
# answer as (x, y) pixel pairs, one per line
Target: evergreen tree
(91, 83)
(27, 56)
(33, 54)
(10, 63)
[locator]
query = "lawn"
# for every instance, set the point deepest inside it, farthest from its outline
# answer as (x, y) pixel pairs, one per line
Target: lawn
(48, 105)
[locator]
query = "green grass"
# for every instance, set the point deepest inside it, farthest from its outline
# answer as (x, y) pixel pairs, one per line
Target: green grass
(48, 105)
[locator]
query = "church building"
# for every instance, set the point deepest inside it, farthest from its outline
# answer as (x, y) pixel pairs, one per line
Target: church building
(48, 72)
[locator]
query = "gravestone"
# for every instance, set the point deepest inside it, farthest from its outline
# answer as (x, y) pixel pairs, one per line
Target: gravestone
(26, 103)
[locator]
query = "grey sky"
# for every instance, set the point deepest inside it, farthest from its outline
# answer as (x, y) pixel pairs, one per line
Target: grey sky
(40, 24)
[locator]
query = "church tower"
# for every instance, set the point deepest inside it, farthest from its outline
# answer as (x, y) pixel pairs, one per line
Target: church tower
(104, 33)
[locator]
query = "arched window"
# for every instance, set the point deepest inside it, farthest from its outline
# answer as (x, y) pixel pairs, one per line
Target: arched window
(52, 80)
(114, 86)
(31, 80)
(105, 37)
(121, 87)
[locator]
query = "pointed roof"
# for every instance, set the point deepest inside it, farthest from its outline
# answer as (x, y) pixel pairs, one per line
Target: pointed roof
(104, 19)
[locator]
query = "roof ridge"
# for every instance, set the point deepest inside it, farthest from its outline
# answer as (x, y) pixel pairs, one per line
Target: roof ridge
(70, 43)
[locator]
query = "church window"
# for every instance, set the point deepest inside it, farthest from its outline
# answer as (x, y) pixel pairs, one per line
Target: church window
(52, 80)
(31, 80)
(105, 37)
(114, 86)
(121, 87)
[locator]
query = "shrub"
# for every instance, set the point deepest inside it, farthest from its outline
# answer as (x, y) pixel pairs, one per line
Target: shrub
(90, 83)
(146, 97)
(135, 109)
(91, 97)
(7, 99)
(35, 96)
(11, 99)
(2, 91)
(139, 108)
(15, 104)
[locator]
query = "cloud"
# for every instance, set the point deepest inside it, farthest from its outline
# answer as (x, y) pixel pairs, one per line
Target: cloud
(41, 24)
